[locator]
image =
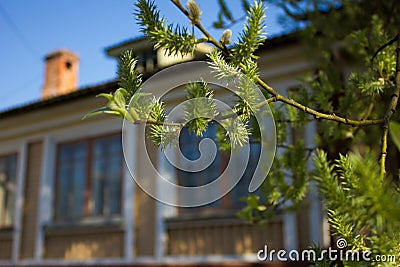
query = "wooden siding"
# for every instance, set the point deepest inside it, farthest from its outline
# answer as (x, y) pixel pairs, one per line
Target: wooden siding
(220, 236)
(303, 228)
(230, 263)
(31, 190)
(144, 224)
(85, 243)
(144, 205)
(6, 244)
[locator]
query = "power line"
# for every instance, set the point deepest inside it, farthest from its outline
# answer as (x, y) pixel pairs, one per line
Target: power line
(25, 42)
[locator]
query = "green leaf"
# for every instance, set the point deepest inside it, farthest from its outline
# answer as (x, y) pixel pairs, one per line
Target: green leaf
(252, 201)
(103, 110)
(130, 81)
(119, 98)
(246, 213)
(394, 131)
(108, 96)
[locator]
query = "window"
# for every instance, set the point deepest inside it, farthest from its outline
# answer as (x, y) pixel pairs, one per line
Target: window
(241, 189)
(8, 172)
(147, 61)
(189, 144)
(89, 178)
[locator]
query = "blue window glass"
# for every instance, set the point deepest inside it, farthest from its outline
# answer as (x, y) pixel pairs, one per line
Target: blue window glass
(89, 178)
(8, 172)
(189, 146)
(107, 168)
(72, 162)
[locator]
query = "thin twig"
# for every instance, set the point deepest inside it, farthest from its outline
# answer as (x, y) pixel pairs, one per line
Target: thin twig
(155, 122)
(383, 47)
(232, 114)
(199, 26)
(364, 116)
(390, 111)
(316, 114)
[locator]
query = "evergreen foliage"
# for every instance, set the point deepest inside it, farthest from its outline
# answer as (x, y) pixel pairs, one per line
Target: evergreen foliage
(174, 39)
(362, 209)
(201, 109)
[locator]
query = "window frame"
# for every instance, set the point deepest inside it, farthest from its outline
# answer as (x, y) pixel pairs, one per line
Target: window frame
(225, 204)
(87, 199)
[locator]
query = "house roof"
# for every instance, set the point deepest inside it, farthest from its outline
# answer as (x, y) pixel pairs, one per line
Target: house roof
(83, 92)
(140, 43)
(290, 37)
(113, 85)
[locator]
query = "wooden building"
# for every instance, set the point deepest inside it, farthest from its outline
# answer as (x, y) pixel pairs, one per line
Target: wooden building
(67, 198)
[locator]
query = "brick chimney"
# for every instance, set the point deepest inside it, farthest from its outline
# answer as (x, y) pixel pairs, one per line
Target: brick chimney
(61, 74)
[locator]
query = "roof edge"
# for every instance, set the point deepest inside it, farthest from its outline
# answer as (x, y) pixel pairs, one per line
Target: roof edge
(273, 41)
(86, 91)
(110, 86)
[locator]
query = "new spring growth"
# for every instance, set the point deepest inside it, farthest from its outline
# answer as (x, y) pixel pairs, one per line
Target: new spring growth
(226, 37)
(194, 12)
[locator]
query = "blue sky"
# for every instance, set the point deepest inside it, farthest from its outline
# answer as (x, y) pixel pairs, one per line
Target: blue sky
(31, 29)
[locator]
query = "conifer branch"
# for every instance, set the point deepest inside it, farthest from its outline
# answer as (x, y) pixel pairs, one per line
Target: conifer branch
(275, 94)
(173, 38)
(253, 35)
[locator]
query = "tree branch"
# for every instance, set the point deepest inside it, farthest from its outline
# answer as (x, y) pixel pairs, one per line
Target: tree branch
(199, 26)
(364, 116)
(276, 95)
(390, 111)
(155, 122)
(384, 46)
(316, 114)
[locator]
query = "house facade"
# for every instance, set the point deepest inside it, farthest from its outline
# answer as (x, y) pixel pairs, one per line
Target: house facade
(67, 196)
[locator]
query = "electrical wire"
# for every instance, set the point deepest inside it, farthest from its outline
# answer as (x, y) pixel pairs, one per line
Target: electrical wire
(21, 36)
(5, 94)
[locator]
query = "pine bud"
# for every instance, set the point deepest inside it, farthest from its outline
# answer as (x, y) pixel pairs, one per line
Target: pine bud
(226, 37)
(194, 11)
